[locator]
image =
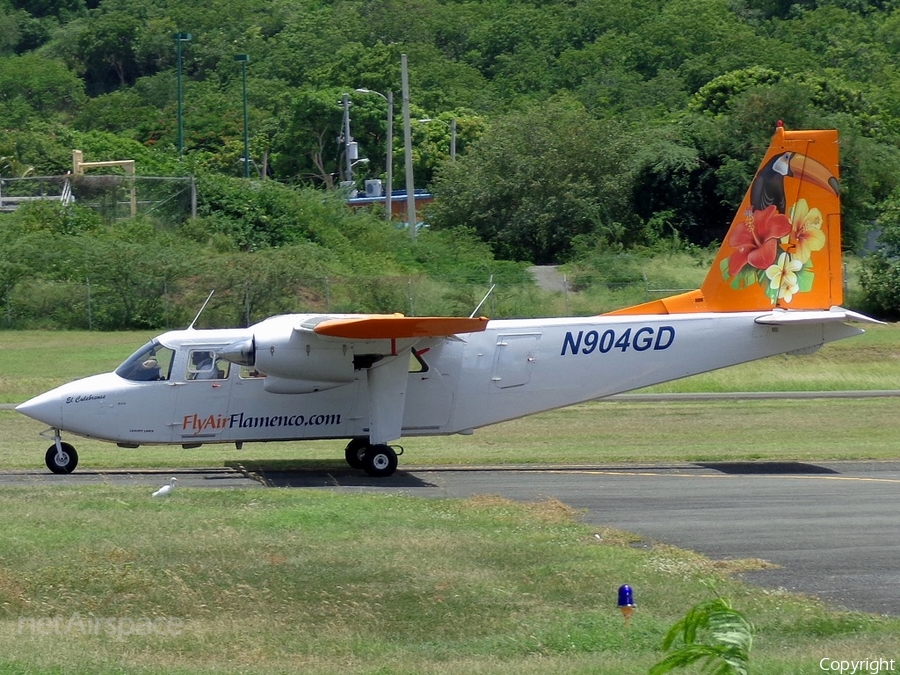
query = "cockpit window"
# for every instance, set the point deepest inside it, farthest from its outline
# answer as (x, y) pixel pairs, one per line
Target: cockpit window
(152, 362)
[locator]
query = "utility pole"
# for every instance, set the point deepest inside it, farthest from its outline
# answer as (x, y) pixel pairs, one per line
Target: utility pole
(179, 38)
(407, 140)
(348, 168)
(388, 208)
(244, 59)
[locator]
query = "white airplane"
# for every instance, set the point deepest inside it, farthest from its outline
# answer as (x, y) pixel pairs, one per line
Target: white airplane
(775, 287)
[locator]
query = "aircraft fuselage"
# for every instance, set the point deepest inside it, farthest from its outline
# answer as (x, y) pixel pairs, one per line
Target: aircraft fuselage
(511, 369)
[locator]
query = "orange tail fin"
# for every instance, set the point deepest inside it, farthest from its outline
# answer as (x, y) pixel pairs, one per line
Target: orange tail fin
(784, 246)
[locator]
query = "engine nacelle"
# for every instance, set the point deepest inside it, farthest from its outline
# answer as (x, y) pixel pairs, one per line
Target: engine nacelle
(296, 362)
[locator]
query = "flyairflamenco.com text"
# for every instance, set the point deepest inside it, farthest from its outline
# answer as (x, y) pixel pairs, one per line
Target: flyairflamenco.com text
(871, 666)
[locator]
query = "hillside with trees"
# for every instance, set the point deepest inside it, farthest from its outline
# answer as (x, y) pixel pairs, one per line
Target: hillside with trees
(585, 129)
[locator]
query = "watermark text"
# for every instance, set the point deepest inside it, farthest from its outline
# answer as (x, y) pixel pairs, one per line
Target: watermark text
(114, 627)
(870, 666)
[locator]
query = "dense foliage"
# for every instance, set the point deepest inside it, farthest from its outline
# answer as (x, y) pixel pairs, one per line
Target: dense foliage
(880, 278)
(618, 124)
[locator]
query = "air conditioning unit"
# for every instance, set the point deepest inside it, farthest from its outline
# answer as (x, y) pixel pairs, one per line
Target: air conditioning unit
(348, 186)
(374, 188)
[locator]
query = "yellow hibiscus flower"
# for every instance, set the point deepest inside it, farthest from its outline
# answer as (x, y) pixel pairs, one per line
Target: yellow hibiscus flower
(806, 230)
(783, 276)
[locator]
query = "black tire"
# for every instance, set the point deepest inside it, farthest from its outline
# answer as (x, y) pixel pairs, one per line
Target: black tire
(381, 461)
(355, 452)
(63, 464)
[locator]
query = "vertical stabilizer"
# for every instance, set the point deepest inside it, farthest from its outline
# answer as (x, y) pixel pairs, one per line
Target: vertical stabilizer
(784, 246)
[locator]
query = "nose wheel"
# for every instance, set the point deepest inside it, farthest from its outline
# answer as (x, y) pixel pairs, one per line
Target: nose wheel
(61, 458)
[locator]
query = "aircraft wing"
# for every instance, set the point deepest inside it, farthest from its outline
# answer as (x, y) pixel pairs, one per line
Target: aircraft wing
(318, 358)
(395, 326)
(780, 317)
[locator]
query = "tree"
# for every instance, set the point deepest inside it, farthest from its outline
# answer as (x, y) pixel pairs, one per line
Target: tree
(46, 86)
(132, 268)
(308, 148)
(536, 179)
(57, 8)
(106, 49)
(880, 274)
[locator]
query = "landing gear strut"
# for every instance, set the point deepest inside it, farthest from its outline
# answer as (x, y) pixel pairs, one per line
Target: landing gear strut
(61, 457)
(379, 460)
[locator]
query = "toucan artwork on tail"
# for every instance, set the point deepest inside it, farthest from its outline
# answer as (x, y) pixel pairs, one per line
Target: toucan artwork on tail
(767, 188)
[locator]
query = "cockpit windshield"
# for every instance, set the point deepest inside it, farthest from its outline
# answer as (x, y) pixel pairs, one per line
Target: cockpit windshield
(151, 362)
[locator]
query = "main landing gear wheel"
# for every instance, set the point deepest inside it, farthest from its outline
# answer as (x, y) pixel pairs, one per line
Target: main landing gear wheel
(62, 461)
(355, 453)
(380, 461)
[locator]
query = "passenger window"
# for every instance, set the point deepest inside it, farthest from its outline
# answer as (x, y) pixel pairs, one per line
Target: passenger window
(203, 365)
(250, 373)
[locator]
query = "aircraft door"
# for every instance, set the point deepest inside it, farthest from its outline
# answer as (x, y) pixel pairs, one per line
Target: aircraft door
(204, 390)
(514, 359)
(429, 393)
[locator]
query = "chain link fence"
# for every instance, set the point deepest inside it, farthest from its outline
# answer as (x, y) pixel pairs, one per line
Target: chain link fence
(115, 197)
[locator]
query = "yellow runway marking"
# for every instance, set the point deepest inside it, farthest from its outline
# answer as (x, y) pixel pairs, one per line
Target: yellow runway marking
(860, 479)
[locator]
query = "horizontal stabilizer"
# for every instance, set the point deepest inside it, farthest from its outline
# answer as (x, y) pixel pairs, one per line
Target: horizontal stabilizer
(393, 326)
(781, 317)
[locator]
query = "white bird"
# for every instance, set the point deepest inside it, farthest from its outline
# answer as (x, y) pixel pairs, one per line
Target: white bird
(165, 489)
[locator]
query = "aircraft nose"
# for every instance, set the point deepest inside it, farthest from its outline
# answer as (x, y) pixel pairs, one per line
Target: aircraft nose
(46, 408)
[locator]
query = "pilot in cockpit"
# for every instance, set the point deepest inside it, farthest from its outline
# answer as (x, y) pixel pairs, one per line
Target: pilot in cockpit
(147, 371)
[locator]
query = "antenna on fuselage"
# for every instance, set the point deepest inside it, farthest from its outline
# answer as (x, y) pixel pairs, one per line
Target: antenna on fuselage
(208, 298)
(486, 296)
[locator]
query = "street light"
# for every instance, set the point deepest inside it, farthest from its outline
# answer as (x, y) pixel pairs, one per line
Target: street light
(389, 99)
(451, 127)
(351, 149)
(179, 38)
(244, 59)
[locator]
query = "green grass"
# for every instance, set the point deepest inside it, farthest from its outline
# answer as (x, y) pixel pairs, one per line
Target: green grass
(35, 361)
(272, 581)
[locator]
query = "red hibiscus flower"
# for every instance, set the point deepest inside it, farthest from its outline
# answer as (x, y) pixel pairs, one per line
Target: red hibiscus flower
(756, 240)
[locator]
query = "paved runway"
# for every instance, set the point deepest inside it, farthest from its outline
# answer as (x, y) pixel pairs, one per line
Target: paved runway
(833, 528)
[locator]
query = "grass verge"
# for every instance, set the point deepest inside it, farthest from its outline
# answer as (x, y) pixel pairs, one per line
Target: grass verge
(272, 581)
